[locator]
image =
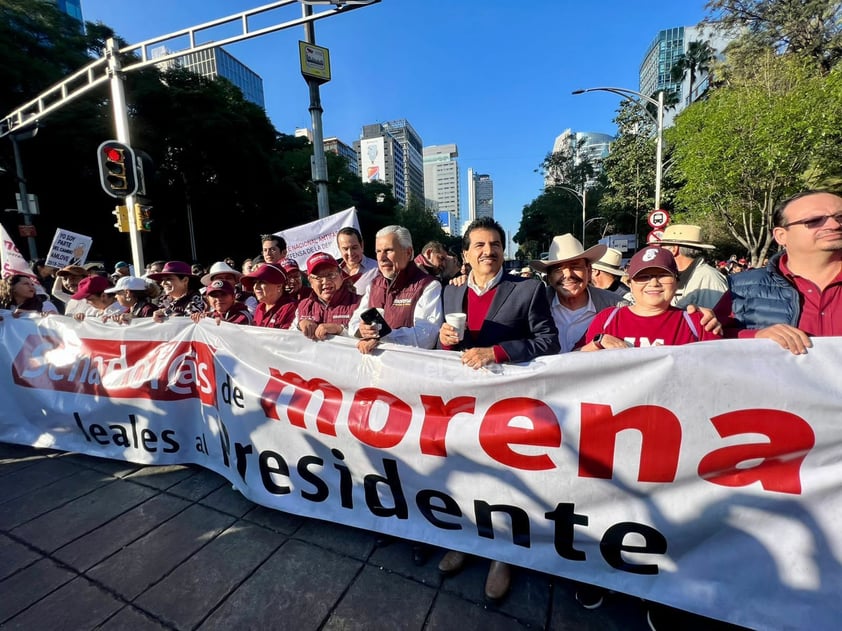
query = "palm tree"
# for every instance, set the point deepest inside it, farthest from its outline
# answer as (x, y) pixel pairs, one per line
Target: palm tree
(694, 62)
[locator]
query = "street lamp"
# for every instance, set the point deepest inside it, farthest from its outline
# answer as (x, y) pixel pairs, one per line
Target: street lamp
(582, 198)
(319, 159)
(659, 124)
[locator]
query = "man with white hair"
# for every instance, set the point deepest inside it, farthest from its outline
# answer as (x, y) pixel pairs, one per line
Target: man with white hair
(699, 284)
(410, 300)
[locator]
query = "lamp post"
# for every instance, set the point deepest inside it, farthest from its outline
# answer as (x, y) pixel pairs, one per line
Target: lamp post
(319, 159)
(582, 198)
(659, 124)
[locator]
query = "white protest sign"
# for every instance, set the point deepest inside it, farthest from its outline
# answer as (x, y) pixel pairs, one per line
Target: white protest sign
(317, 236)
(68, 248)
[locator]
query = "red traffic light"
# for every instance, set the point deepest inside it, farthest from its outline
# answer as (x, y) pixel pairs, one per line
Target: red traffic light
(115, 155)
(117, 169)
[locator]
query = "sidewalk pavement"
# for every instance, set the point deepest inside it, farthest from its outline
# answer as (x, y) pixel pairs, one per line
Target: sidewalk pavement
(88, 543)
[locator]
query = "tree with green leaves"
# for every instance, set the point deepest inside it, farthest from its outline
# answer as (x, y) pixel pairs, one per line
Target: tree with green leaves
(811, 28)
(774, 130)
(692, 63)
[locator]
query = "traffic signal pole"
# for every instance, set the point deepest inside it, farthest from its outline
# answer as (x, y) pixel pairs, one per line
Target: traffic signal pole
(121, 126)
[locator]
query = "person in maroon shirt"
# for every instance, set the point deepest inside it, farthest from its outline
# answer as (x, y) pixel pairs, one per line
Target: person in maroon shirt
(651, 320)
(328, 309)
(799, 292)
(221, 296)
(277, 308)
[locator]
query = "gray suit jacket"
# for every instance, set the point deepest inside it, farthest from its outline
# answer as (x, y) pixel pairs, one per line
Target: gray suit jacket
(518, 319)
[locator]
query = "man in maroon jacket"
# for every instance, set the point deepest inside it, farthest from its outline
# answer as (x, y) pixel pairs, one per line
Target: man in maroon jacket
(409, 298)
(328, 308)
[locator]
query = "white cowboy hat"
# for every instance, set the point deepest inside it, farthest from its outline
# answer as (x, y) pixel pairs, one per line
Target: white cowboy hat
(610, 262)
(568, 248)
(686, 235)
(220, 267)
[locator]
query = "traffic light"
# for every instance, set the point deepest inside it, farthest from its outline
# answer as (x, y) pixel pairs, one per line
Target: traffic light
(122, 214)
(143, 217)
(117, 168)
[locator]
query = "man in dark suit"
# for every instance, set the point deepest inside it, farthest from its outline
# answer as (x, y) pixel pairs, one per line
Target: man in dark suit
(508, 317)
(508, 320)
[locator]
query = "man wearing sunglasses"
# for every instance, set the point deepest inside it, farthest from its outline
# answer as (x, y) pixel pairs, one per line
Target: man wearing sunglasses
(799, 293)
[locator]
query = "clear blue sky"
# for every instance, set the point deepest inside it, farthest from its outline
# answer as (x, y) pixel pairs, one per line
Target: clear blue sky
(492, 76)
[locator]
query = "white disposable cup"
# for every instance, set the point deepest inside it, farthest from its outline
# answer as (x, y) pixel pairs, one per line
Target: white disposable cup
(457, 321)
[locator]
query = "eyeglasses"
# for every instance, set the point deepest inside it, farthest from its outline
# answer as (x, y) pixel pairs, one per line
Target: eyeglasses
(811, 223)
(321, 279)
(663, 279)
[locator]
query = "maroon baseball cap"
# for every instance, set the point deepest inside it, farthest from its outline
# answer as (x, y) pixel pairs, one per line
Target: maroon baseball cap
(660, 258)
(319, 259)
(220, 286)
(91, 286)
(290, 266)
(176, 268)
(268, 273)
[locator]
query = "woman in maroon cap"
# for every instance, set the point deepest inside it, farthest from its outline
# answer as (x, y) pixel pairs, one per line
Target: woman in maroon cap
(651, 320)
(181, 297)
(276, 308)
(295, 285)
(224, 306)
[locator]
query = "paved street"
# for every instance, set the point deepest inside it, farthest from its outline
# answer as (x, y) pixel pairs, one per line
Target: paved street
(89, 543)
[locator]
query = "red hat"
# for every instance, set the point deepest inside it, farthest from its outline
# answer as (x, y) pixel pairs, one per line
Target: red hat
(652, 257)
(289, 265)
(320, 258)
(268, 273)
(91, 286)
(177, 268)
(222, 286)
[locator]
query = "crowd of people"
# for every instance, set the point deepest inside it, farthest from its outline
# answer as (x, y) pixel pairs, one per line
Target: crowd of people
(576, 300)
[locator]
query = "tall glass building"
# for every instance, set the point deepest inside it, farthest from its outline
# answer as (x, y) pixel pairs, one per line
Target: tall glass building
(441, 181)
(666, 49)
(413, 151)
(480, 195)
(73, 8)
(217, 62)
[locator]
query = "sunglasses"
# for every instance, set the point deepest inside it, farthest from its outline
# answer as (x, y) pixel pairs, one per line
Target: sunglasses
(811, 223)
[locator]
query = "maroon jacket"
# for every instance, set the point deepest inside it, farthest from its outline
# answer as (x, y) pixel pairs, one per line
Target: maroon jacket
(342, 304)
(397, 298)
(279, 316)
(237, 314)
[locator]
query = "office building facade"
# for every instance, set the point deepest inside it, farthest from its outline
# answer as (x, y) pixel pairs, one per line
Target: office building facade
(217, 62)
(380, 158)
(584, 145)
(73, 8)
(665, 51)
(441, 184)
(334, 145)
(413, 153)
(480, 196)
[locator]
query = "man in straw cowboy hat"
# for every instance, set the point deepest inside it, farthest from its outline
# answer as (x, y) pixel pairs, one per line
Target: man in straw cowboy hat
(699, 284)
(606, 273)
(573, 300)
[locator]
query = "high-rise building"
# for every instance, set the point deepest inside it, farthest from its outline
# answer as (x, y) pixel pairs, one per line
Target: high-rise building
(73, 8)
(380, 158)
(413, 151)
(480, 196)
(590, 145)
(334, 145)
(665, 50)
(441, 184)
(217, 62)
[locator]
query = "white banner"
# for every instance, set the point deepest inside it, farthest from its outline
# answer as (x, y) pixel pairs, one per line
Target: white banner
(317, 236)
(68, 248)
(12, 261)
(706, 477)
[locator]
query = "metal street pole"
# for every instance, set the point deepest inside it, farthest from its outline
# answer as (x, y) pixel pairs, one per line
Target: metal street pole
(582, 198)
(319, 160)
(24, 196)
(659, 125)
(121, 127)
